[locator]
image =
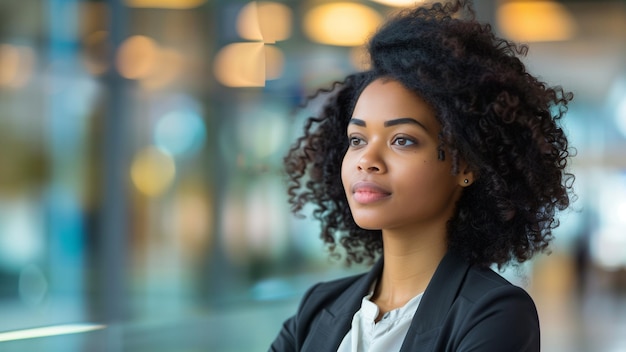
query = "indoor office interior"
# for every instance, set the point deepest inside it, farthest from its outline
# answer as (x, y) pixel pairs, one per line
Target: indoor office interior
(143, 205)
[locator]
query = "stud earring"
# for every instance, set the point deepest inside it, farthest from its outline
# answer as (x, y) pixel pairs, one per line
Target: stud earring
(466, 181)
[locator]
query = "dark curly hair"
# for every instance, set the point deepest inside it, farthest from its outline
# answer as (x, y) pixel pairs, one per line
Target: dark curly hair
(495, 116)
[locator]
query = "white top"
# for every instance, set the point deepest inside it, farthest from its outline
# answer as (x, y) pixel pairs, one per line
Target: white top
(387, 335)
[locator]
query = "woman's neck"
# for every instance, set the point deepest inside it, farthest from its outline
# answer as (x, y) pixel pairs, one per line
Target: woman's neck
(409, 264)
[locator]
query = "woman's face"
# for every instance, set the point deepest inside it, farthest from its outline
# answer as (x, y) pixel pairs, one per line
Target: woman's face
(391, 172)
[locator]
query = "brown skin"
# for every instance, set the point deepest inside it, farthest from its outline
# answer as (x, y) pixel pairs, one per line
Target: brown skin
(395, 182)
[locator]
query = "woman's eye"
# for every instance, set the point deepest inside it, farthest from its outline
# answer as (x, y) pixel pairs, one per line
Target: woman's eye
(355, 141)
(402, 141)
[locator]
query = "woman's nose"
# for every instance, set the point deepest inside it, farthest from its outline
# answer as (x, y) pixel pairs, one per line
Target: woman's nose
(371, 161)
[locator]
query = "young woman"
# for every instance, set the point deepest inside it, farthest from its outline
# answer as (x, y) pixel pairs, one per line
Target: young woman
(442, 160)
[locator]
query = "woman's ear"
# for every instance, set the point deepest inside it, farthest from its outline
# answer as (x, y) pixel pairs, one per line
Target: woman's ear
(466, 175)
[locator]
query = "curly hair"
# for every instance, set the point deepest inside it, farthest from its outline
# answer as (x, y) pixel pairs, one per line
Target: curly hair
(495, 116)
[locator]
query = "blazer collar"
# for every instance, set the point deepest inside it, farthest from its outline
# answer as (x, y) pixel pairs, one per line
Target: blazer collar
(438, 298)
(336, 320)
(352, 297)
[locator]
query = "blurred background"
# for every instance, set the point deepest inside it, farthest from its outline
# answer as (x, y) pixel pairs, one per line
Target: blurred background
(142, 204)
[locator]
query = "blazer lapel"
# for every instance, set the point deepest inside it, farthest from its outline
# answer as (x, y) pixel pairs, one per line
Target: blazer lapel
(335, 321)
(435, 304)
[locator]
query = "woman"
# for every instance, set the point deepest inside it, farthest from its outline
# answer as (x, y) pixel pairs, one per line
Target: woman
(444, 159)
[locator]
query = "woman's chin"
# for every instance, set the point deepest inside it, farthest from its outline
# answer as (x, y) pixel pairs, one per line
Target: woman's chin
(368, 225)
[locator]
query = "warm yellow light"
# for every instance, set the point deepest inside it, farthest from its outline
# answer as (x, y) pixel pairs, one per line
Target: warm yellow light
(137, 56)
(16, 65)
(248, 26)
(265, 21)
(165, 4)
(399, 3)
(169, 67)
(535, 21)
(274, 62)
(344, 24)
(241, 65)
(9, 64)
(152, 171)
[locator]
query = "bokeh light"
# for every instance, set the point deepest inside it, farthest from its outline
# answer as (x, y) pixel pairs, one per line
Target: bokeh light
(616, 102)
(399, 3)
(241, 65)
(535, 21)
(152, 171)
(254, 223)
(257, 137)
(165, 4)
(265, 21)
(169, 67)
(265, 222)
(274, 62)
(342, 23)
(262, 133)
(16, 65)
(20, 234)
(137, 57)
(180, 132)
(608, 245)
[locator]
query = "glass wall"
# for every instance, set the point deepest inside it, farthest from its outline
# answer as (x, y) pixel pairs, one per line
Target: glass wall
(142, 201)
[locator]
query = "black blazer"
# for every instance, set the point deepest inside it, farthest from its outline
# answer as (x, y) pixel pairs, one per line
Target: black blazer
(464, 308)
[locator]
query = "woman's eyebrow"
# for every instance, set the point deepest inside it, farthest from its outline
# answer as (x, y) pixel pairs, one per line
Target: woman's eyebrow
(389, 123)
(357, 122)
(404, 120)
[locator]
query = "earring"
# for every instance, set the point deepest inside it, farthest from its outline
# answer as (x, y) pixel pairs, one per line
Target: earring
(466, 181)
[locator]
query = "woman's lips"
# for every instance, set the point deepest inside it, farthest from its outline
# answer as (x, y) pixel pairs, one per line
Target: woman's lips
(368, 192)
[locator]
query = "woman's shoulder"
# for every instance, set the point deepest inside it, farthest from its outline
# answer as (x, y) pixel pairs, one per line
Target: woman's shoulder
(492, 314)
(485, 281)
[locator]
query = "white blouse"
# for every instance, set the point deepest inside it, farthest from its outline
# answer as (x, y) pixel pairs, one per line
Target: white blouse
(386, 335)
